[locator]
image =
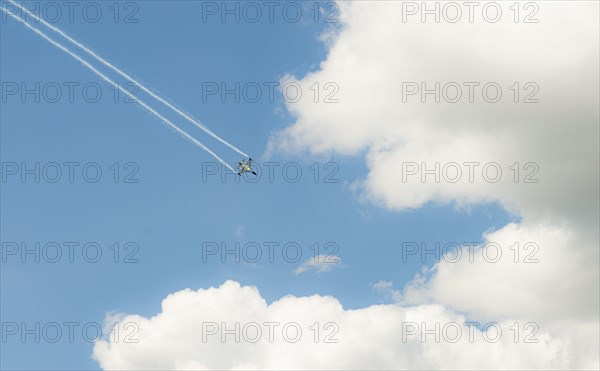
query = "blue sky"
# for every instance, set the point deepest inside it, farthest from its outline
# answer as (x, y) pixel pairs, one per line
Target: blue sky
(171, 211)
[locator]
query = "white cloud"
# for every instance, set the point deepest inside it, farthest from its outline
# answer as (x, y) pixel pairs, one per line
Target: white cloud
(542, 273)
(374, 53)
(382, 285)
(370, 56)
(238, 230)
(376, 337)
(387, 288)
(319, 263)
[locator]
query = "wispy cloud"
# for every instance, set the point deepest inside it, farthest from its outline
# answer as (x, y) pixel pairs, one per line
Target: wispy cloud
(387, 288)
(320, 264)
(238, 230)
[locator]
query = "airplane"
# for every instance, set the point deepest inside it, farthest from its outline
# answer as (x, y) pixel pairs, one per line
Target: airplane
(245, 167)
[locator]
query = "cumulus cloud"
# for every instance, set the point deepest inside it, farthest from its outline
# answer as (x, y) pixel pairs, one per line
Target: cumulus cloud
(541, 272)
(374, 53)
(538, 159)
(197, 330)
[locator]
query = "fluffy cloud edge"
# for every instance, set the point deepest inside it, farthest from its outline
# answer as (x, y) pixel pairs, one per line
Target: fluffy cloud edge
(386, 336)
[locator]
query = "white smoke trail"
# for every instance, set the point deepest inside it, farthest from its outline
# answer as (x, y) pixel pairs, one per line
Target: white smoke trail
(120, 72)
(108, 80)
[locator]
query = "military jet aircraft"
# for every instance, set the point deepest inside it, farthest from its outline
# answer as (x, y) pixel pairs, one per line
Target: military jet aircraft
(245, 167)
